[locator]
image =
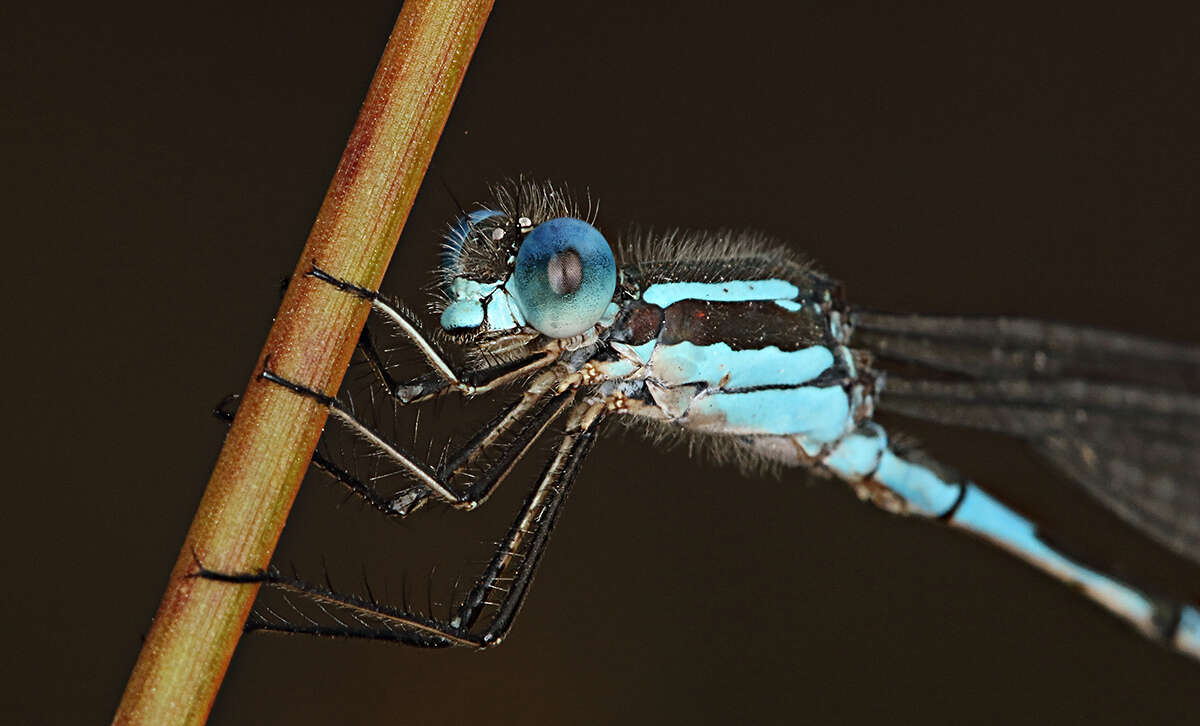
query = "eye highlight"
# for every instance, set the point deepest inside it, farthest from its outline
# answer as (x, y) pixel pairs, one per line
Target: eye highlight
(564, 277)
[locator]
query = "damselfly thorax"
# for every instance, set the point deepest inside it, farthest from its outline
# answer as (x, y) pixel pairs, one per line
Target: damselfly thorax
(731, 339)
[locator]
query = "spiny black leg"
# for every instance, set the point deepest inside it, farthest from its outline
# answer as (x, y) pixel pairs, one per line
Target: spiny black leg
(412, 390)
(225, 411)
(532, 426)
(388, 505)
(366, 346)
(408, 499)
(238, 578)
(470, 383)
(519, 553)
(343, 285)
(433, 480)
(424, 473)
(406, 324)
(417, 629)
(550, 495)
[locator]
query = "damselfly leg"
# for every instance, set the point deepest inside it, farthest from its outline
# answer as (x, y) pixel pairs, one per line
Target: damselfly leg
(508, 574)
(529, 411)
(533, 420)
(512, 566)
(415, 390)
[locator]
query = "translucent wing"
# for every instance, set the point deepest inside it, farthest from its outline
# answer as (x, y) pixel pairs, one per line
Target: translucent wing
(1117, 413)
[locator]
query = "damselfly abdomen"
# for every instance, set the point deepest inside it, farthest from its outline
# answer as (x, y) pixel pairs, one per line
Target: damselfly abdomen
(728, 339)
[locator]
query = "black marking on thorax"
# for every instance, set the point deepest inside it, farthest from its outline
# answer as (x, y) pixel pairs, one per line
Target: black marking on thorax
(747, 325)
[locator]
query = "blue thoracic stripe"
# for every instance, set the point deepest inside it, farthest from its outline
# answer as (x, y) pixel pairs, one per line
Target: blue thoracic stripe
(664, 294)
(685, 362)
(818, 415)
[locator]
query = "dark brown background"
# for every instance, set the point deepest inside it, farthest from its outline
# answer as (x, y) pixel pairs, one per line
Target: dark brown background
(162, 168)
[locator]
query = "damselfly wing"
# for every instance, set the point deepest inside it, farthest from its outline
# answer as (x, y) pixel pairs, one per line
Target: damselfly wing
(728, 340)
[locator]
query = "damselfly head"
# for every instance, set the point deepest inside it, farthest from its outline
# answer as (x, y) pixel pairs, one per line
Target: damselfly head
(532, 265)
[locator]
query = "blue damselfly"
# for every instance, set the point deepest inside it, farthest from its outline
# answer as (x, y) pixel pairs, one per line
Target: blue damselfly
(727, 339)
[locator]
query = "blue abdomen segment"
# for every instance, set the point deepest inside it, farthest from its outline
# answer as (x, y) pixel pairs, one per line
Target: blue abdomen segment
(986, 517)
(923, 489)
(1176, 625)
(865, 456)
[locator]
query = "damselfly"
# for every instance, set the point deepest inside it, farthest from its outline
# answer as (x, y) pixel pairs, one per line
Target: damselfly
(727, 339)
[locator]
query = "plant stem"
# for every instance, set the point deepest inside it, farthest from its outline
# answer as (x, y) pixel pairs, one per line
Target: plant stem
(268, 448)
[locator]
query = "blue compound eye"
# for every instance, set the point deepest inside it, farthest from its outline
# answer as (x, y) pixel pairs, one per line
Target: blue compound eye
(564, 277)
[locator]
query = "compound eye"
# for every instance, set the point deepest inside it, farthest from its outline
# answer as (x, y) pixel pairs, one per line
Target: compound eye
(564, 277)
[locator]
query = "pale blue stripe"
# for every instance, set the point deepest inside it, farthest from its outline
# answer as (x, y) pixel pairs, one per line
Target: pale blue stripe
(503, 313)
(818, 414)
(466, 308)
(858, 454)
(686, 362)
(664, 294)
(981, 513)
(924, 491)
(462, 314)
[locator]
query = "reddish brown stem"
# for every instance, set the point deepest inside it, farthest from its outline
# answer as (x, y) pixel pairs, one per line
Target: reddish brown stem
(269, 445)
